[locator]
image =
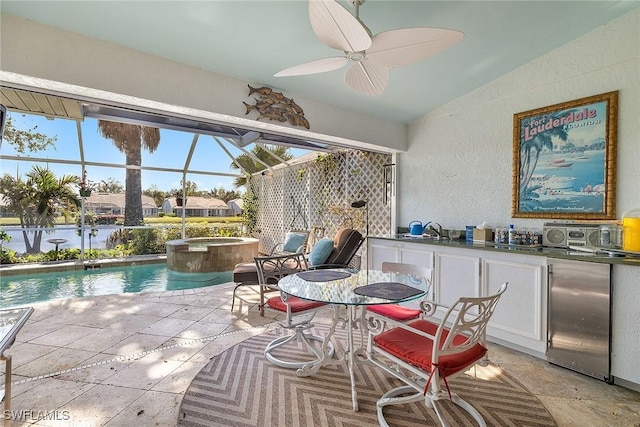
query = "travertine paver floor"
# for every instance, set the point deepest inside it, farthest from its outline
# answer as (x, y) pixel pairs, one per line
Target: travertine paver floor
(125, 360)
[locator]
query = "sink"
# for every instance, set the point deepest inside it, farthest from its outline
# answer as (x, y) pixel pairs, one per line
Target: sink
(581, 253)
(422, 236)
(431, 236)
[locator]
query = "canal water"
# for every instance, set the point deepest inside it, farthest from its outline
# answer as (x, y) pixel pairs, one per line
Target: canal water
(67, 232)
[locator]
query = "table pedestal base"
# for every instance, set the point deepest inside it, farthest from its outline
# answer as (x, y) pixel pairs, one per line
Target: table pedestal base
(299, 337)
(348, 354)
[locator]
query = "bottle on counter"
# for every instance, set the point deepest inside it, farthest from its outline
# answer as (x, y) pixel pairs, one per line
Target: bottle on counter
(512, 235)
(631, 230)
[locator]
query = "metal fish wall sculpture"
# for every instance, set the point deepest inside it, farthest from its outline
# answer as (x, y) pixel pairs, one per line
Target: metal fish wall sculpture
(273, 105)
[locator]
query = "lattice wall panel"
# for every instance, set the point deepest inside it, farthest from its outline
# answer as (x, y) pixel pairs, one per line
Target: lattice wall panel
(317, 196)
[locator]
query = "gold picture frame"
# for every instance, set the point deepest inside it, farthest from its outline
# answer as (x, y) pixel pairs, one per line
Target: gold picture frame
(564, 160)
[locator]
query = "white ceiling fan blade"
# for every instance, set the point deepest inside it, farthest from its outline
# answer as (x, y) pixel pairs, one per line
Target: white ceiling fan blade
(336, 27)
(409, 45)
(318, 66)
(368, 78)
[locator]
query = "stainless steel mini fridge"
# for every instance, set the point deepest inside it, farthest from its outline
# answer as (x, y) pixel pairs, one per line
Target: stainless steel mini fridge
(579, 327)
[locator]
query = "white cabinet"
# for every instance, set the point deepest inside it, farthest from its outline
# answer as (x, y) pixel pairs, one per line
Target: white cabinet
(381, 250)
(520, 319)
(416, 254)
(521, 314)
(456, 275)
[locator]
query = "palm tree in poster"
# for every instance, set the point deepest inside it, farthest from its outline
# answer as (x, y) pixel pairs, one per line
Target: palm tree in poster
(252, 166)
(130, 140)
(530, 149)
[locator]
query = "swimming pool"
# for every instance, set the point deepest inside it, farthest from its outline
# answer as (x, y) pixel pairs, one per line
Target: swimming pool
(32, 288)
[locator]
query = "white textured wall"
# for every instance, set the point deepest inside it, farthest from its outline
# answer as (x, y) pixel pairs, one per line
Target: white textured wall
(457, 170)
(36, 50)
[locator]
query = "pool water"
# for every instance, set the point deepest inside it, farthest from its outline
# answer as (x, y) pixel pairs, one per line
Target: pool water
(32, 288)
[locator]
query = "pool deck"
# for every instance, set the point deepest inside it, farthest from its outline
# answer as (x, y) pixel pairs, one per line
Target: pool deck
(123, 360)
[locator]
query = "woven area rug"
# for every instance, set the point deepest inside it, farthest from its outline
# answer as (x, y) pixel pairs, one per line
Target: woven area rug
(240, 387)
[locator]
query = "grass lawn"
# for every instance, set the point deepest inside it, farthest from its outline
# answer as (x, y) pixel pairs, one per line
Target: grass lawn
(214, 220)
(197, 219)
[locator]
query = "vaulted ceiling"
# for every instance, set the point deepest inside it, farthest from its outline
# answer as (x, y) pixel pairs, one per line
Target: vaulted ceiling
(252, 40)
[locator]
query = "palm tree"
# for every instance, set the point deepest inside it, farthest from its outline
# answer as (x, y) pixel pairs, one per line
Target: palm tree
(157, 194)
(38, 200)
(130, 139)
(251, 166)
(224, 194)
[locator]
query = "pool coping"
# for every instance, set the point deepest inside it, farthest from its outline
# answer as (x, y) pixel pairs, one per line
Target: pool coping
(70, 265)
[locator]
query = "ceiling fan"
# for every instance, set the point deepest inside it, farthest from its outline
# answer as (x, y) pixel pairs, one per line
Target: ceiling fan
(371, 57)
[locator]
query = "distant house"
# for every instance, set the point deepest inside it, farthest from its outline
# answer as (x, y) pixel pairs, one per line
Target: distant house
(167, 207)
(236, 206)
(102, 204)
(113, 204)
(197, 206)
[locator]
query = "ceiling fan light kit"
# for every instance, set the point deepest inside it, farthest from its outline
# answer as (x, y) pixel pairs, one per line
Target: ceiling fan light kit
(370, 57)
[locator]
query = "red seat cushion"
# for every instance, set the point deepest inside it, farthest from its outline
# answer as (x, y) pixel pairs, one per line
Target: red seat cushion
(296, 304)
(395, 312)
(417, 350)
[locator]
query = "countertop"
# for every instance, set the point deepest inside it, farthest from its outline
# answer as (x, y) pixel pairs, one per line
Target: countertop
(558, 253)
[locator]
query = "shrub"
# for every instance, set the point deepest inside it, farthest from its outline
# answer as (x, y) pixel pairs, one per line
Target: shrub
(8, 256)
(146, 241)
(172, 234)
(229, 232)
(95, 254)
(68, 253)
(109, 219)
(198, 230)
(27, 258)
(120, 251)
(118, 237)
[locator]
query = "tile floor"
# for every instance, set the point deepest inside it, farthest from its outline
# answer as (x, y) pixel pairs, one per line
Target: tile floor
(124, 360)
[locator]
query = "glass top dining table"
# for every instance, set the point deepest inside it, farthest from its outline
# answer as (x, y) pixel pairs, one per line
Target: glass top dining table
(351, 287)
(354, 290)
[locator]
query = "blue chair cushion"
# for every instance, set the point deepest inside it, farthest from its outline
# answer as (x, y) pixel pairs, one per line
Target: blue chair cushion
(293, 241)
(321, 251)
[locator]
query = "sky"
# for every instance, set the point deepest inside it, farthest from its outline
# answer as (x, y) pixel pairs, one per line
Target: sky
(172, 152)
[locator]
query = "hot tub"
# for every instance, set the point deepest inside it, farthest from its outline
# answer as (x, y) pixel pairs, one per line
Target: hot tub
(209, 254)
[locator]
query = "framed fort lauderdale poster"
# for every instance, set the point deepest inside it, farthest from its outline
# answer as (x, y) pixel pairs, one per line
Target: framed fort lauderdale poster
(564, 160)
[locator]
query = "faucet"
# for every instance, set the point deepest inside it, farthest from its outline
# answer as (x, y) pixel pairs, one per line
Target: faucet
(437, 230)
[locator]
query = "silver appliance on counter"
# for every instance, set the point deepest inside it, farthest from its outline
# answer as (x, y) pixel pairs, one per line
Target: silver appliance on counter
(579, 323)
(565, 234)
